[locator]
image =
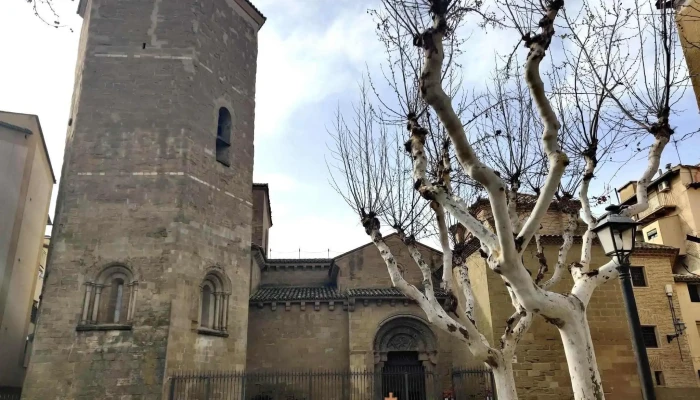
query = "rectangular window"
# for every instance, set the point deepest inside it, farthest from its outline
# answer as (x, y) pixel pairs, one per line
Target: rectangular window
(652, 234)
(659, 378)
(638, 278)
(694, 292)
(649, 336)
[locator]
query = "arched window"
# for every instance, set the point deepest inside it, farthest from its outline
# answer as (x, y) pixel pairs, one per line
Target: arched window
(110, 298)
(213, 304)
(223, 136)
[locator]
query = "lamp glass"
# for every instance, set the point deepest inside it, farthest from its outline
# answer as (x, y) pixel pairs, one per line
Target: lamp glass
(606, 240)
(624, 238)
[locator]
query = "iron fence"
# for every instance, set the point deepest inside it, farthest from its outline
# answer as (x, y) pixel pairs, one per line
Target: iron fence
(10, 393)
(473, 384)
(399, 383)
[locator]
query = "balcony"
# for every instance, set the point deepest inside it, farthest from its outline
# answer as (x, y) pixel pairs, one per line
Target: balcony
(660, 204)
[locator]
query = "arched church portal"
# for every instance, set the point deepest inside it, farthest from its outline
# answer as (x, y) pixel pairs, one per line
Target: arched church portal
(405, 349)
(405, 340)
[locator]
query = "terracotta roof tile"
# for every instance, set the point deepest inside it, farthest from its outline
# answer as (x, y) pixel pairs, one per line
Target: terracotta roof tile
(686, 278)
(645, 245)
(385, 293)
(296, 293)
(270, 294)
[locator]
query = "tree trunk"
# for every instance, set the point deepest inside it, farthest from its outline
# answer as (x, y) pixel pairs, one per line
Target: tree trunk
(580, 355)
(504, 381)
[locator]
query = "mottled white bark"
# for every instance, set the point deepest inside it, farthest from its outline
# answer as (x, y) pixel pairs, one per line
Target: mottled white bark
(580, 355)
(557, 159)
(443, 234)
(457, 207)
(586, 214)
(504, 381)
(654, 159)
(466, 285)
(568, 236)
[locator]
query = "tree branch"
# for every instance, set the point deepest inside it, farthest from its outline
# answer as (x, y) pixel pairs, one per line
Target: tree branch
(558, 160)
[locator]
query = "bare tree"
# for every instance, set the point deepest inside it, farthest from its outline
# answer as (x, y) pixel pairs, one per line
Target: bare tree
(404, 210)
(593, 110)
(45, 11)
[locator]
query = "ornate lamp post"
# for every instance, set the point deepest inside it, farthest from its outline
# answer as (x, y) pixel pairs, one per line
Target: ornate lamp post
(616, 234)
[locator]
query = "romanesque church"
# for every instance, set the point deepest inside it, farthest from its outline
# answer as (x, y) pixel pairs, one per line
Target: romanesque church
(157, 264)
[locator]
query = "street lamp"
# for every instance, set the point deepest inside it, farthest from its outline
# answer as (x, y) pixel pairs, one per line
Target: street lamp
(617, 236)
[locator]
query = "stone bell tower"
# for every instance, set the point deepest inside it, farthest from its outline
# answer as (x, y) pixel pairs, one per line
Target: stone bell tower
(149, 266)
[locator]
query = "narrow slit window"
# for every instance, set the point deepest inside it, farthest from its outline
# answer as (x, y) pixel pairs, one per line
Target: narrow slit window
(223, 137)
(659, 378)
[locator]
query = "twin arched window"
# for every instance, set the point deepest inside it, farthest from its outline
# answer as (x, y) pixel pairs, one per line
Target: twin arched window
(213, 305)
(110, 298)
(223, 136)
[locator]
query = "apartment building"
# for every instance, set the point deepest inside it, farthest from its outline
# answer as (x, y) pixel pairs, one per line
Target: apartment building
(673, 220)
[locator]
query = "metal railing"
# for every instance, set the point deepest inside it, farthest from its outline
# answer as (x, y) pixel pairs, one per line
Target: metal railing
(656, 201)
(403, 383)
(473, 384)
(10, 393)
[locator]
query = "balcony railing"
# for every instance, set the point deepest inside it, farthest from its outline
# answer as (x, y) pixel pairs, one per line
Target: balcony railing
(659, 203)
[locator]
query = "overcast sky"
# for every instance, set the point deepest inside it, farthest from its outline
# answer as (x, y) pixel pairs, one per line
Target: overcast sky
(312, 54)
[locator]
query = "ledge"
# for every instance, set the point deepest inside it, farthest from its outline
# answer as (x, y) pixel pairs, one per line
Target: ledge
(103, 327)
(211, 332)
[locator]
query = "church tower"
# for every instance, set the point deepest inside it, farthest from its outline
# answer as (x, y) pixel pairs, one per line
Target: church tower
(149, 266)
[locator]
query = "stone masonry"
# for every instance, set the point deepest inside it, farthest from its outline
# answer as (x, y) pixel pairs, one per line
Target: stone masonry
(141, 188)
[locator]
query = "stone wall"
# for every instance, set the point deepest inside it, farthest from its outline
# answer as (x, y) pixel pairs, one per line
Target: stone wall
(314, 275)
(297, 339)
(672, 359)
(141, 186)
(663, 393)
(364, 267)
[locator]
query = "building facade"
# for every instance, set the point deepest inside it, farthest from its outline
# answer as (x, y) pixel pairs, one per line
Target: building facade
(157, 258)
(673, 219)
(687, 18)
(26, 179)
(155, 202)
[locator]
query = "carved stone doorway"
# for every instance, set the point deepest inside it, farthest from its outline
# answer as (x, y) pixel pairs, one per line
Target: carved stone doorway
(405, 350)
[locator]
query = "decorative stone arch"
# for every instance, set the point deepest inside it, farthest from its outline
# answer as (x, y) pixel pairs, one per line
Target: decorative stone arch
(405, 332)
(214, 294)
(110, 297)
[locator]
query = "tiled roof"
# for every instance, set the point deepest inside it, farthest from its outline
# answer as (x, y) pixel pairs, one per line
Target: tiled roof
(296, 293)
(270, 294)
(645, 245)
(385, 293)
(524, 201)
(686, 278)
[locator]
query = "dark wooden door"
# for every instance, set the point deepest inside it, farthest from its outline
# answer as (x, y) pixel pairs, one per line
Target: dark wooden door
(404, 376)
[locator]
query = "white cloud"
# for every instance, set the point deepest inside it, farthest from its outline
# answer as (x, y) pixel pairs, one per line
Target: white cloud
(306, 67)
